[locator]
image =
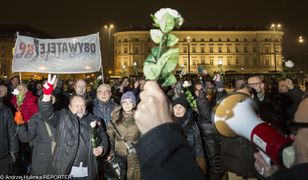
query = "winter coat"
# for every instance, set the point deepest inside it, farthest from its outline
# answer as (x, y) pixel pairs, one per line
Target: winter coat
(192, 132)
(297, 172)
(129, 130)
(28, 106)
(35, 131)
(103, 110)
(211, 139)
(165, 154)
(270, 110)
(291, 100)
(69, 130)
(237, 156)
(8, 138)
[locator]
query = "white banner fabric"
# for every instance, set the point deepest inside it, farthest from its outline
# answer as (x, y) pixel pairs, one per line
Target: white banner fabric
(60, 56)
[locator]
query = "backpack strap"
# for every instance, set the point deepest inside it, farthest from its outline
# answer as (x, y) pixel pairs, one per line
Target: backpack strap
(51, 136)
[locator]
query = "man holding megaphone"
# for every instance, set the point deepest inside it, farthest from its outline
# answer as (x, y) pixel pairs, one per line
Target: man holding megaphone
(235, 116)
(299, 131)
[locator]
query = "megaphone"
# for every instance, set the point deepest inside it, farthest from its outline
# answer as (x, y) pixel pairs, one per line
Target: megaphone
(235, 115)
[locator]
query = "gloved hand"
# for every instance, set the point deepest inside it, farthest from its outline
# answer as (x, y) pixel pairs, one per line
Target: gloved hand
(48, 86)
(18, 118)
(218, 81)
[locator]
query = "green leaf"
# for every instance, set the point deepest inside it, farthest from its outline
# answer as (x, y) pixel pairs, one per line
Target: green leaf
(154, 51)
(151, 71)
(169, 60)
(169, 80)
(156, 35)
(166, 23)
(150, 59)
(171, 40)
(156, 22)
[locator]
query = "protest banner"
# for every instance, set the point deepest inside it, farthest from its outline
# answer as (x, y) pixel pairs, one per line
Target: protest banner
(60, 56)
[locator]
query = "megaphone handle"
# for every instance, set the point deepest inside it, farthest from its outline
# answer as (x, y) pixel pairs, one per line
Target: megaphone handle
(265, 157)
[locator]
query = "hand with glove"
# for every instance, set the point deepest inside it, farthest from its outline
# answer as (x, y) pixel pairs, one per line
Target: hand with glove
(219, 82)
(18, 118)
(48, 88)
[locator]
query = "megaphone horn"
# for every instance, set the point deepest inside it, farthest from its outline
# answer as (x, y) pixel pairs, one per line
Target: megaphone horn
(236, 115)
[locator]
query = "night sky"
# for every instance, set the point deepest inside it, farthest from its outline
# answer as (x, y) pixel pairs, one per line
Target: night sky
(73, 18)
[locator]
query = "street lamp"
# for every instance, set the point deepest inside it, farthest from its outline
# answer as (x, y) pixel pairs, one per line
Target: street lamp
(109, 44)
(188, 46)
(274, 27)
(109, 27)
(301, 42)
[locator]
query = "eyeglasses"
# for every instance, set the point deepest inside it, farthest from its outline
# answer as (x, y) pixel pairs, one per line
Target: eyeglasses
(295, 126)
(104, 92)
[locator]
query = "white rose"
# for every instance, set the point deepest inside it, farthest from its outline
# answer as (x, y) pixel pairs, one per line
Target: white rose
(99, 77)
(289, 64)
(186, 84)
(15, 92)
(159, 14)
(93, 124)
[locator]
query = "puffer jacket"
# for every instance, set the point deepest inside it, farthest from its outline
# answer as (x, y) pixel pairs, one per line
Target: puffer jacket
(68, 131)
(8, 138)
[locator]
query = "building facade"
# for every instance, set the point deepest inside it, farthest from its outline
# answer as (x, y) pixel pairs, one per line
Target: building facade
(240, 50)
(6, 55)
(7, 43)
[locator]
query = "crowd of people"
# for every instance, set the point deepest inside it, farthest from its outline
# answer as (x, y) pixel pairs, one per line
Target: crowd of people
(143, 131)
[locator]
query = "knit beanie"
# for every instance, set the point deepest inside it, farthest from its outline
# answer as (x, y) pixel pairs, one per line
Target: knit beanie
(129, 95)
(182, 101)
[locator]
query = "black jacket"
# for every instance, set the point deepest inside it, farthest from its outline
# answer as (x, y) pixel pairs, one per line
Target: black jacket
(35, 131)
(192, 132)
(211, 138)
(68, 133)
(237, 156)
(8, 137)
(164, 154)
(297, 172)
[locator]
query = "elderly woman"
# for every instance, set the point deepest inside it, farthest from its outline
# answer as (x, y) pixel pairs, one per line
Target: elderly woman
(122, 120)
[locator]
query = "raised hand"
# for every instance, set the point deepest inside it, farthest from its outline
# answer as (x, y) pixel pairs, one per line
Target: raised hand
(48, 86)
(153, 109)
(290, 84)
